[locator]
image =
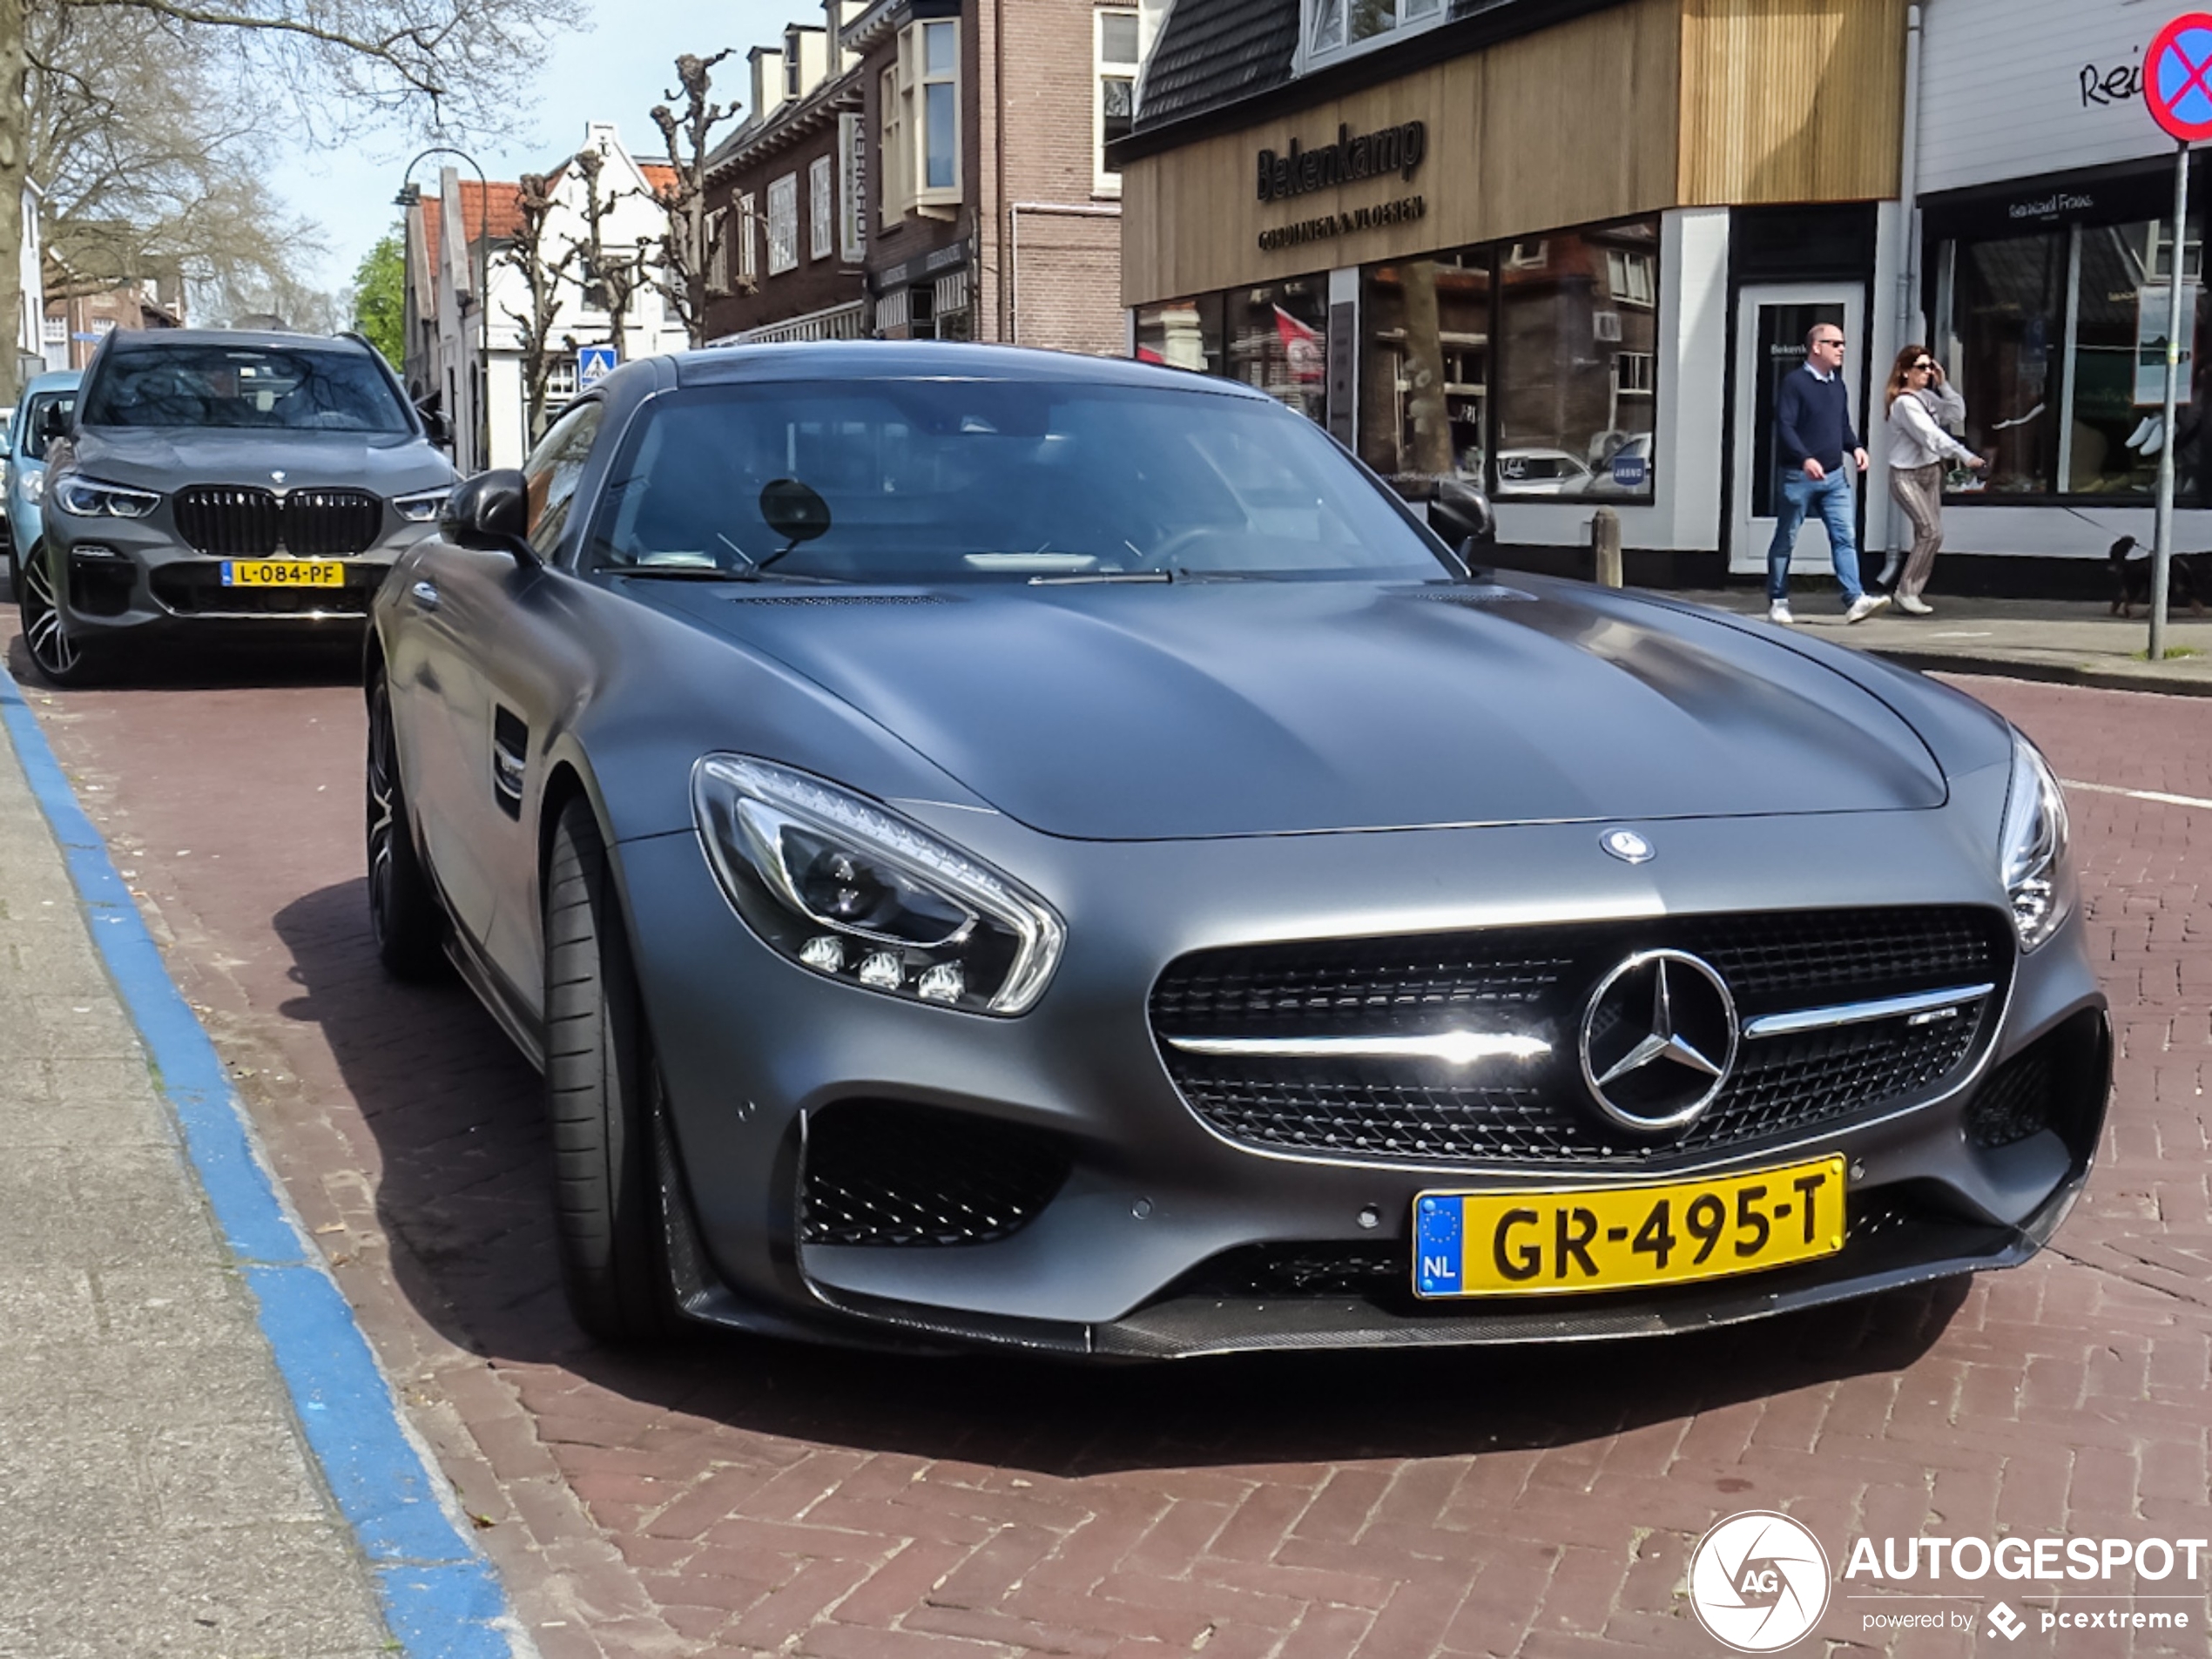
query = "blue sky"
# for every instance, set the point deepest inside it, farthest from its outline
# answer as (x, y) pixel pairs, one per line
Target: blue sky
(615, 71)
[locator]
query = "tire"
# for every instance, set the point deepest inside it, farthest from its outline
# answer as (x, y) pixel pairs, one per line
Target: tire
(404, 910)
(602, 1099)
(60, 659)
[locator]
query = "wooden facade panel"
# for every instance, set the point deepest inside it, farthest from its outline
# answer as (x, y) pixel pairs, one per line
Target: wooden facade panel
(1574, 124)
(1790, 100)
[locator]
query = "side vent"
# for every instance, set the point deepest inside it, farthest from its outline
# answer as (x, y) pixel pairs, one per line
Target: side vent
(510, 747)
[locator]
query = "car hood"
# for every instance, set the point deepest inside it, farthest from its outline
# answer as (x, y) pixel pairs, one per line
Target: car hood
(172, 457)
(1143, 711)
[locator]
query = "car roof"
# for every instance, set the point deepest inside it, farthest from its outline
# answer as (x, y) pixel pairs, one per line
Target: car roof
(139, 340)
(857, 360)
(54, 380)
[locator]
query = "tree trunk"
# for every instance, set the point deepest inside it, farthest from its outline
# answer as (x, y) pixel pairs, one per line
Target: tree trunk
(15, 152)
(1426, 410)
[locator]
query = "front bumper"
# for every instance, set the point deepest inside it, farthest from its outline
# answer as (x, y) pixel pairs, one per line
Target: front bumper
(1166, 1239)
(117, 577)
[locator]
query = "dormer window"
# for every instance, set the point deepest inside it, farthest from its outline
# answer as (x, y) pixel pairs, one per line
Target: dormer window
(1334, 27)
(791, 87)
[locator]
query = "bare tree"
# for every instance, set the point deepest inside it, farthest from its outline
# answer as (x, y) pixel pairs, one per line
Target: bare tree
(691, 243)
(321, 64)
(612, 274)
(542, 278)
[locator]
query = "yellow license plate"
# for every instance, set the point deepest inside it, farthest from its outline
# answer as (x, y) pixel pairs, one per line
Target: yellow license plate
(1556, 1240)
(283, 573)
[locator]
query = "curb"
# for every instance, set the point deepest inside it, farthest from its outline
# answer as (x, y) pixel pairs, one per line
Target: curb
(2106, 679)
(440, 1596)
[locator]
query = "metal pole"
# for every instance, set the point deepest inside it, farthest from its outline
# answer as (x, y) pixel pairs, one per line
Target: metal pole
(2162, 548)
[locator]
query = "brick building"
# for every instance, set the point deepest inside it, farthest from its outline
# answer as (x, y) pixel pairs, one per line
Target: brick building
(949, 157)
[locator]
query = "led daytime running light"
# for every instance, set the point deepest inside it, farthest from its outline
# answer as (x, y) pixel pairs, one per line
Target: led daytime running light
(2034, 848)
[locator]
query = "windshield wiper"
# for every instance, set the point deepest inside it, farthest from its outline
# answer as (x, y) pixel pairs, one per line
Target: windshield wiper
(1087, 577)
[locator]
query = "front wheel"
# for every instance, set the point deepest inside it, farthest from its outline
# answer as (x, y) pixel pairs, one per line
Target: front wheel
(601, 1086)
(403, 911)
(61, 660)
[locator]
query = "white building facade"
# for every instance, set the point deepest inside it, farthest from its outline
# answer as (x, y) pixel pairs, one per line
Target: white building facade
(2046, 250)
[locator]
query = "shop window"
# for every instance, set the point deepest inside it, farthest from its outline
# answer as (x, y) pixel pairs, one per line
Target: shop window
(1571, 419)
(822, 207)
(1182, 333)
(1335, 26)
(783, 224)
(1116, 46)
(2010, 321)
(1424, 369)
(1277, 341)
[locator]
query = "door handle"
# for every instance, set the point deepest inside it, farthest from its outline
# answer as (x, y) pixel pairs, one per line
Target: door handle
(426, 595)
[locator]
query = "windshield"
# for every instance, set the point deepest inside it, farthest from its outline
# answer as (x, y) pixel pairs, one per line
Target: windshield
(289, 388)
(935, 480)
(35, 411)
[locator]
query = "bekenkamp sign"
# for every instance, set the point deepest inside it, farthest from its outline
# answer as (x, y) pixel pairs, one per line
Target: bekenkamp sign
(1348, 161)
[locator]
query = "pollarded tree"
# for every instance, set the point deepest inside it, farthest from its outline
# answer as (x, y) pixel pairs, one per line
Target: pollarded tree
(543, 280)
(689, 245)
(319, 66)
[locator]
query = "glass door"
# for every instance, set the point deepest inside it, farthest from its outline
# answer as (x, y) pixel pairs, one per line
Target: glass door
(1771, 322)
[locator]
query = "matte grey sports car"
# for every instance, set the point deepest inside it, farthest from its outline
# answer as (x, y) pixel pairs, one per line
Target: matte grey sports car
(217, 483)
(994, 848)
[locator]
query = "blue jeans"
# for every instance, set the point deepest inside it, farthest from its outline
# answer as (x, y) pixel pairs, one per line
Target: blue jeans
(1802, 497)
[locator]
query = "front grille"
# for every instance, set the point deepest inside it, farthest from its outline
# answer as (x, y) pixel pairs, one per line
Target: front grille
(1536, 980)
(241, 522)
(193, 590)
(879, 1173)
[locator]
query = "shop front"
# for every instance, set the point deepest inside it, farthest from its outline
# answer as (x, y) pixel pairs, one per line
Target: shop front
(1566, 261)
(2046, 255)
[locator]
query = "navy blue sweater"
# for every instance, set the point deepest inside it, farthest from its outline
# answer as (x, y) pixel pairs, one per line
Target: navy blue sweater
(1813, 421)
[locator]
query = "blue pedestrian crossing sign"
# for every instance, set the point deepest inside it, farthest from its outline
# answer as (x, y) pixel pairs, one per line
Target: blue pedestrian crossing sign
(594, 364)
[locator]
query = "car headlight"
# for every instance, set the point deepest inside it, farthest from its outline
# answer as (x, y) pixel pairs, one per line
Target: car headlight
(852, 890)
(89, 499)
(33, 484)
(2032, 848)
(421, 507)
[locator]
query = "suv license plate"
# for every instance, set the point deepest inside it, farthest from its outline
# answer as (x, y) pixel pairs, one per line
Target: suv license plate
(1553, 1240)
(283, 573)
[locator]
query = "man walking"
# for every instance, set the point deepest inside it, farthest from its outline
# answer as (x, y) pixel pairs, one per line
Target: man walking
(1812, 435)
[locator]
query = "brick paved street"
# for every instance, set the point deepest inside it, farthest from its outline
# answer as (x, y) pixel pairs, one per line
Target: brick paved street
(739, 1497)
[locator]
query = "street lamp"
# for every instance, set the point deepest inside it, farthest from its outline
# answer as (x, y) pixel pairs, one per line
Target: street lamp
(409, 194)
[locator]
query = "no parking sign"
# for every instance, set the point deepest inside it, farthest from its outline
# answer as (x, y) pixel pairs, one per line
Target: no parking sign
(2177, 77)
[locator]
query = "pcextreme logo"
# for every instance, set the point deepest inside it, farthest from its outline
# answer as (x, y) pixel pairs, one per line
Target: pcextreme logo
(1758, 1581)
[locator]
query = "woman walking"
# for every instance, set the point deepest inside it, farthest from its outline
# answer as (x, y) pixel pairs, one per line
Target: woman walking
(1920, 400)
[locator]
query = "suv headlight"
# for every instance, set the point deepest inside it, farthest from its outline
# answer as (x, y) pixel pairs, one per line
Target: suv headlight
(33, 484)
(2032, 848)
(852, 890)
(421, 507)
(89, 499)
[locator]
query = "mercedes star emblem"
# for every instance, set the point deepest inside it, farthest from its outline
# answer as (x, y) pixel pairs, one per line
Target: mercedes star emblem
(1627, 845)
(1659, 1040)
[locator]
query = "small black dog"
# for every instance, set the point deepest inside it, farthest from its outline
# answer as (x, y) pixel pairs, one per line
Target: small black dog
(2188, 578)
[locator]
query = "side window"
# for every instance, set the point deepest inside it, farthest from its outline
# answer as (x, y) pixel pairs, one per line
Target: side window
(553, 469)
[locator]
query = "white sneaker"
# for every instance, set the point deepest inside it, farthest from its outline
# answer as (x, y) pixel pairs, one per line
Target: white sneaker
(1779, 612)
(1865, 606)
(1912, 605)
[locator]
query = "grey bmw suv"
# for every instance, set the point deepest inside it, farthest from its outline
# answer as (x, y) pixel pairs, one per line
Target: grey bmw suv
(218, 483)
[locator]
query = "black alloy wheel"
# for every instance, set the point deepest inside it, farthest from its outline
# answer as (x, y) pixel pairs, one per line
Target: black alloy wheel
(602, 1089)
(403, 911)
(61, 660)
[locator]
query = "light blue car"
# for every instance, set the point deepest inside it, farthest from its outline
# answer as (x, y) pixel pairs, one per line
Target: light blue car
(49, 399)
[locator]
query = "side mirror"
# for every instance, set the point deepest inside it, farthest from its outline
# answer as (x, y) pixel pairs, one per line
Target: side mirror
(1460, 513)
(434, 425)
(490, 512)
(53, 422)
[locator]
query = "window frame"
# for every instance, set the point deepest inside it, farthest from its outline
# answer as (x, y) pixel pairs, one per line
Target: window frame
(1312, 54)
(587, 415)
(716, 278)
(915, 80)
(1105, 182)
(891, 146)
(822, 207)
(748, 245)
(783, 224)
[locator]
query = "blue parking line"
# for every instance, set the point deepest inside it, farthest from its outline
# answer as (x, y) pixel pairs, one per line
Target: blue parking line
(441, 1597)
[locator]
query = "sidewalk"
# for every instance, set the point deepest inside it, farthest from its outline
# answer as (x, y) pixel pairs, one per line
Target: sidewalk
(187, 1411)
(2075, 642)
